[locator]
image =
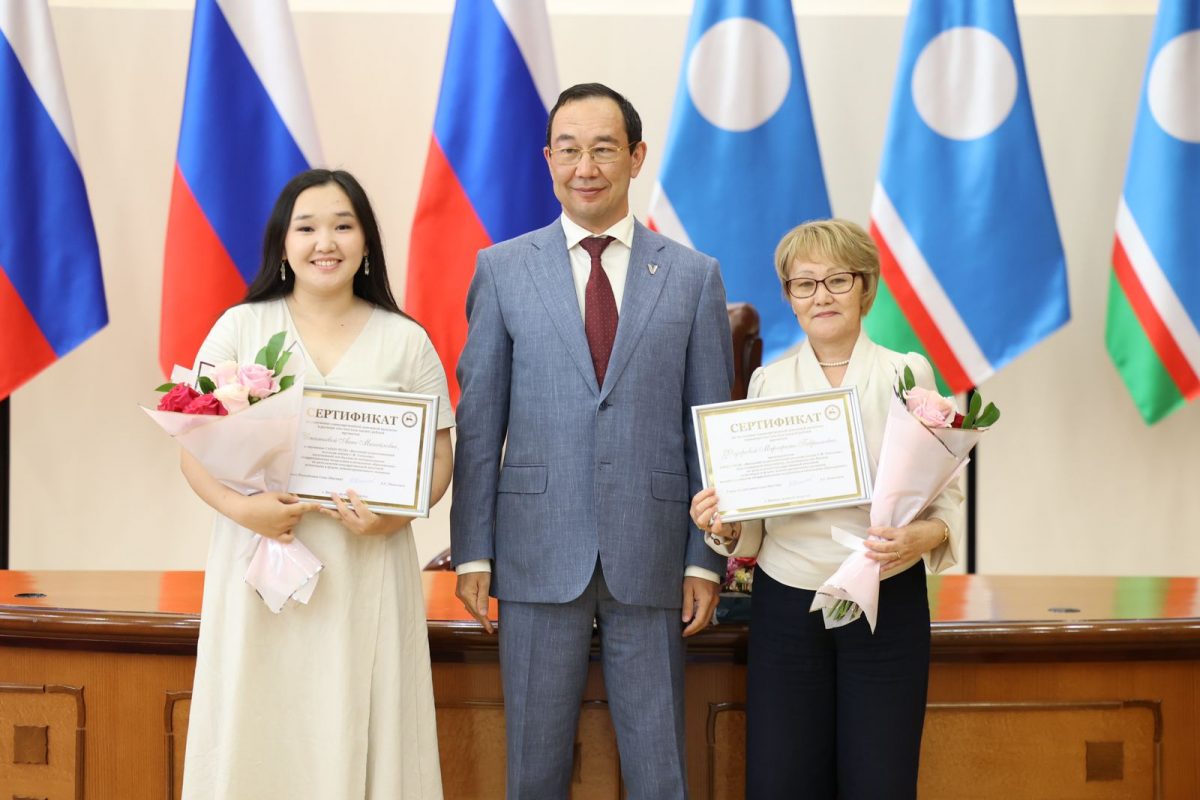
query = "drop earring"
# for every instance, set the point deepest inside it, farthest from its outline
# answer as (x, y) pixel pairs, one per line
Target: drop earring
(366, 265)
(283, 270)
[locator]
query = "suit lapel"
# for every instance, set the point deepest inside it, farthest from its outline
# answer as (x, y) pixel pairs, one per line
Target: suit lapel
(642, 288)
(550, 267)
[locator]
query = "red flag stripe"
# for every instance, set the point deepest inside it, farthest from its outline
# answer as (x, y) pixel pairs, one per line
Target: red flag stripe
(922, 323)
(447, 235)
(24, 350)
(1174, 361)
(200, 280)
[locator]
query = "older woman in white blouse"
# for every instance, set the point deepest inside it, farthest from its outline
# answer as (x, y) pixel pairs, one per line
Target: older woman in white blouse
(835, 713)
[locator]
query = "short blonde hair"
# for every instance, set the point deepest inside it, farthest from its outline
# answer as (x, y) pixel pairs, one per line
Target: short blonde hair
(835, 242)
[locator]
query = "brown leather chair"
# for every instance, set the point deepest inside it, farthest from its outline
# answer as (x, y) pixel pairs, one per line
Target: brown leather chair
(747, 357)
(747, 346)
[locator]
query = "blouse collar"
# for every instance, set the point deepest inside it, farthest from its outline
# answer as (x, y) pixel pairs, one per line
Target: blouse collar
(862, 359)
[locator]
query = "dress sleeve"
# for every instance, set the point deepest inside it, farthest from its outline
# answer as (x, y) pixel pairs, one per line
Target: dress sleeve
(430, 378)
(221, 344)
(755, 387)
(947, 506)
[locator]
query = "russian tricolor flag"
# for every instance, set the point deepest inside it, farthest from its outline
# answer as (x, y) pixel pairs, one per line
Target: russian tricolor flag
(741, 166)
(247, 129)
(1153, 331)
(485, 177)
(973, 266)
(51, 289)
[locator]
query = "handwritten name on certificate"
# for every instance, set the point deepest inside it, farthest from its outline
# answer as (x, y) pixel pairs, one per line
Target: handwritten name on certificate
(380, 444)
(784, 455)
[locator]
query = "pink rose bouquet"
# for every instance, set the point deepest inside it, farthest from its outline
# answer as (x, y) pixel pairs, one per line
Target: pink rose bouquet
(241, 423)
(926, 443)
(933, 410)
(230, 387)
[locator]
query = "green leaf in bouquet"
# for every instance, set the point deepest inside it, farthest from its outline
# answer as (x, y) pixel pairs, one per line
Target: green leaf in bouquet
(909, 380)
(166, 387)
(261, 358)
(840, 609)
(987, 418)
(286, 382)
(206, 385)
(972, 410)
(281, 362)
(274, 346)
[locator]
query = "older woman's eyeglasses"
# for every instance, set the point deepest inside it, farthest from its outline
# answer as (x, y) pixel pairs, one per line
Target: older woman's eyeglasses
(600, 154)
(837, 283)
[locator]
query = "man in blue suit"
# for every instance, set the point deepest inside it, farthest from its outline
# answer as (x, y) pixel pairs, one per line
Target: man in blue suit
(576, 460)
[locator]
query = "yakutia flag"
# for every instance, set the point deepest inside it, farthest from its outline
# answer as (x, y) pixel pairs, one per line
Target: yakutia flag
(973, 267)
(1154, 296)
(51, 289)
(485, 177)
(247, 129)
(741, 166)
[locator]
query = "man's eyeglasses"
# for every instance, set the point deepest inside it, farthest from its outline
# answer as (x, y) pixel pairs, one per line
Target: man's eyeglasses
(837, 283)
(600, 154)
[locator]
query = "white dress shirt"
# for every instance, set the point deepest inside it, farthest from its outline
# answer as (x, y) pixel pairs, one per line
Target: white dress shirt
(614, 260)
(615, 263)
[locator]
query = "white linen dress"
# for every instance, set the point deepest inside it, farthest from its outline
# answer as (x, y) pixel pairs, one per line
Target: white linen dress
(332, 700)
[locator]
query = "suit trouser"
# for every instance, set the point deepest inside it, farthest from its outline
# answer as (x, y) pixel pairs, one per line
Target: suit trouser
(836, 713)
(544, 654)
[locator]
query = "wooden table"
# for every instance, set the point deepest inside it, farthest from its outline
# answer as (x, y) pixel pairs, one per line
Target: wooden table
(1041, 687)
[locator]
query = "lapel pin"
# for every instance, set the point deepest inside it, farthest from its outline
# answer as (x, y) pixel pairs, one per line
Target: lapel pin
(652, 267)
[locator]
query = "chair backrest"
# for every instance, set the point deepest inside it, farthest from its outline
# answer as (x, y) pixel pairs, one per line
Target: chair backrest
(747, 346)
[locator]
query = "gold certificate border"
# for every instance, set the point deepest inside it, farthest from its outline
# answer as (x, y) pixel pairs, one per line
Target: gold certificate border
(422, 406)
(846, 397)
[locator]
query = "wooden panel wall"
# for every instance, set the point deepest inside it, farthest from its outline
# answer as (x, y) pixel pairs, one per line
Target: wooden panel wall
(106, 715)
(79, 724)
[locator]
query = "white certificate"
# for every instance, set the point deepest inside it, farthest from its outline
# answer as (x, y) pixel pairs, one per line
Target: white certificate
(380, 444)
(784, 455)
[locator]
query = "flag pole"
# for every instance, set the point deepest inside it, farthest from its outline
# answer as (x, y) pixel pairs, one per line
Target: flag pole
(972, 483)
(4, 481)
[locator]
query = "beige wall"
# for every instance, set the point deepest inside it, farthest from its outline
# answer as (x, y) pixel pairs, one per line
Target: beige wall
(1071, 482)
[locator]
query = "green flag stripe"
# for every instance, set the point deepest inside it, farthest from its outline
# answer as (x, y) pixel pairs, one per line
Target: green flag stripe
(1153, 391)
(887, 326)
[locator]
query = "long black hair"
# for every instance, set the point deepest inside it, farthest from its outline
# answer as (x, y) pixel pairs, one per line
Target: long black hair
(268, 285)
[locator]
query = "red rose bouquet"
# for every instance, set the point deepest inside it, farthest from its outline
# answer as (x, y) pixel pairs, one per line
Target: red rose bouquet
(926, 443)
(240, 422)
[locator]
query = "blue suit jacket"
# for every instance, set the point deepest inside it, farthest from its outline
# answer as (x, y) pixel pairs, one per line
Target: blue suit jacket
(552, 470)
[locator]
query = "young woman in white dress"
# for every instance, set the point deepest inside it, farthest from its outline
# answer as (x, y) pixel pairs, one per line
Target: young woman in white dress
(333, 699)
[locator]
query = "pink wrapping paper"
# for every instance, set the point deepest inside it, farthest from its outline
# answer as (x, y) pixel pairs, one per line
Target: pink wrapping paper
(915, 464)
(251, 452)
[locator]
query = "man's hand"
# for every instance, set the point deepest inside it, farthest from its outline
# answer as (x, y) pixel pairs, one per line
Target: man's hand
(472, 590)
(700, 598)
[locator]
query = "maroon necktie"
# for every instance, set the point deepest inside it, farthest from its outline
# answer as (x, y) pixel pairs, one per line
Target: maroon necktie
(600, 309)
